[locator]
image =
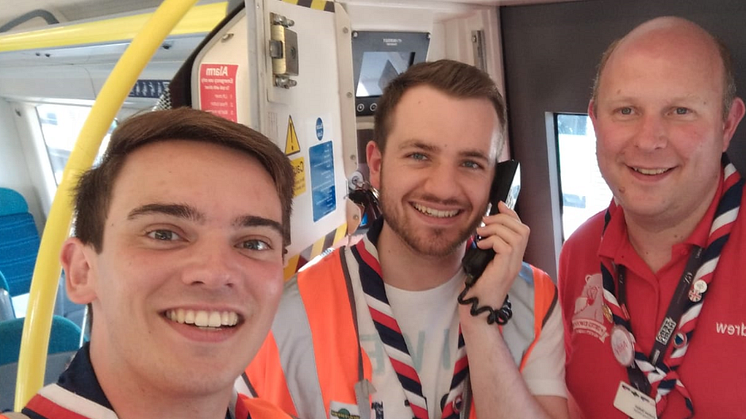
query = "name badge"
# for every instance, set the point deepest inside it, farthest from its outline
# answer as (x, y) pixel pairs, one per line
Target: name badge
(634, 403)
(338, 410)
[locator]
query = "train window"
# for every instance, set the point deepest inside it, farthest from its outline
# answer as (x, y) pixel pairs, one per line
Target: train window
(60, 126)
(584, 192)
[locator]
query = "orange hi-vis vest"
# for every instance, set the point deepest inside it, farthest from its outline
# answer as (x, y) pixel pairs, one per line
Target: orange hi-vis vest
(312, 360)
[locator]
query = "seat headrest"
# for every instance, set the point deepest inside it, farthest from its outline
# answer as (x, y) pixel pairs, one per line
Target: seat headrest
(11, 202)
(64, 337)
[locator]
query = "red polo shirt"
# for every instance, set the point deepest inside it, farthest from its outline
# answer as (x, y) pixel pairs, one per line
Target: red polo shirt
(714, 367)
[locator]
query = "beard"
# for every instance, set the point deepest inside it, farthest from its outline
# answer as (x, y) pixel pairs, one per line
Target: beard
(432, 241)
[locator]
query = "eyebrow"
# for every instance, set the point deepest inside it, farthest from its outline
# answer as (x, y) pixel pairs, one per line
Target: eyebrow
(175, 210)
(475, 154)
(255, 221)
(417, 144)
(687, 99)
(633, 98)
(472, 153)
(192, 214)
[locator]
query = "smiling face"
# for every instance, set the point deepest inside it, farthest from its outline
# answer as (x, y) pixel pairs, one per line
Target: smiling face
(190, 273)
(435, 175)
(659, 123)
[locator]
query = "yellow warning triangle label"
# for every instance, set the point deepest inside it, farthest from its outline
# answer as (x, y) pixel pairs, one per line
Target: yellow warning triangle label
(292, 145)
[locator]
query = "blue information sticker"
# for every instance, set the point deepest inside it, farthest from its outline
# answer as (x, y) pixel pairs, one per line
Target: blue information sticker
(319, 128)
(323, 192)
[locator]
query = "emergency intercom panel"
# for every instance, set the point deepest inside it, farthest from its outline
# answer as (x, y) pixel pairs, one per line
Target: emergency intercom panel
(378, 57)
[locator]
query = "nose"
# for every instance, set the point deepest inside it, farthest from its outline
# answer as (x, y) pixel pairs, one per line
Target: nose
(653, 133)
(442, 181)
(211, 265)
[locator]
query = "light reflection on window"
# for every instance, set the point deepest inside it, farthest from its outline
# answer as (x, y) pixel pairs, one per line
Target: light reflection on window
(379, 68)
(584, 191)
(60, 126)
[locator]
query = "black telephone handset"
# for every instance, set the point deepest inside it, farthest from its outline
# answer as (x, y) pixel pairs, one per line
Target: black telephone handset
(505, 187)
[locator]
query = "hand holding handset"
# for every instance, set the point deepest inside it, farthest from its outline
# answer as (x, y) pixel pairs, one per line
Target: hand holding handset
(505, 187)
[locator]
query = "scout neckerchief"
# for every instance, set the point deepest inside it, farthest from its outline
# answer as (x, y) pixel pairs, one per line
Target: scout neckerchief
(393, 340)
(657, 375)
(78, 395)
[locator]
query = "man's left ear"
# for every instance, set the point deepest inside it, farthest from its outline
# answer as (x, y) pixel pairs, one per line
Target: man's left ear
(737, 110)
(374, 159)
(77, 260)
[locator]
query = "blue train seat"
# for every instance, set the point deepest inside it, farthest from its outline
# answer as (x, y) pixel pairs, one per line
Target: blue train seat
(64, 341)
(19, 242)
(11, 202)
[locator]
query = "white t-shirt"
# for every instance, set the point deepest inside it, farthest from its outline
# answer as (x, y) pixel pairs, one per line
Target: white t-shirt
(432, 339)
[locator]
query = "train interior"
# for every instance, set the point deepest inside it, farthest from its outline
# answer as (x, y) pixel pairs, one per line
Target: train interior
(307, 74)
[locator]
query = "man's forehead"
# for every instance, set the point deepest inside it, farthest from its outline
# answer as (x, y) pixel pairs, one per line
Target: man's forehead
(175, 170)
(682, 48)
(413, 111)
(668, 38)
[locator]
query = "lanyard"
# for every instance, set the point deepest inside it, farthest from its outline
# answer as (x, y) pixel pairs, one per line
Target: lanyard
(363, 388)
(675, 307)
(670, 322)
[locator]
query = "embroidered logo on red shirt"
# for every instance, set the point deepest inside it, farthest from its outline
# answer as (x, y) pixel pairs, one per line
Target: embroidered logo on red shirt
(588, 317)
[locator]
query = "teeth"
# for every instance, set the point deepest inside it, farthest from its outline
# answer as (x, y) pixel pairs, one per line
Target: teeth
(650, 171)
(214, 319)
(435, 213)
(203, 318)
(200, 319)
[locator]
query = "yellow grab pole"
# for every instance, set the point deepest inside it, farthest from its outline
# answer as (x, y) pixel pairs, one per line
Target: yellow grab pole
(36, 328)
(199, 19)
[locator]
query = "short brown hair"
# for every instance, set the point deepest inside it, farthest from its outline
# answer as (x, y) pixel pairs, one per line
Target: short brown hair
(729, 79)
(451, 77)
(94, 189)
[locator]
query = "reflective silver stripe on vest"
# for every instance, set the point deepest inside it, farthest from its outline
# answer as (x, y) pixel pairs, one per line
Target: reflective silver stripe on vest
(519, 332)
(292, 334)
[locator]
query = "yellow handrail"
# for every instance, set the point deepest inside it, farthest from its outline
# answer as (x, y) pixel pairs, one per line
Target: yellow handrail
(35, 340)
(200, 19)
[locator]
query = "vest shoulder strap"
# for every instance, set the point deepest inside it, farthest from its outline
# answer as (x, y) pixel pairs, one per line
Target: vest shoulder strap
(545, 300)
(326, 297)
